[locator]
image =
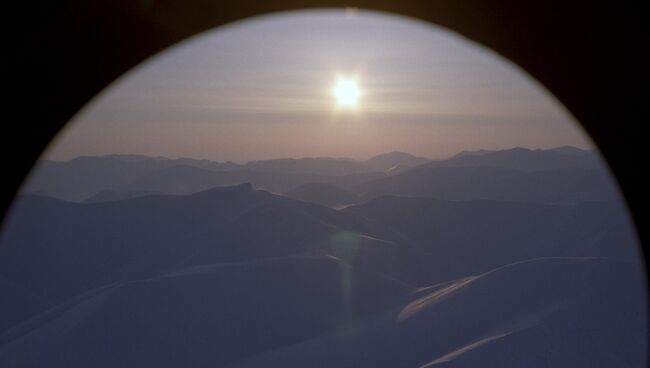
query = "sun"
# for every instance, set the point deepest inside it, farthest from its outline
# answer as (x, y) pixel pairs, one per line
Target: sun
(347, 92)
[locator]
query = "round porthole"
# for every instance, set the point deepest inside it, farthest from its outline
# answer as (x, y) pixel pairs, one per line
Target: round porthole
(337, 188)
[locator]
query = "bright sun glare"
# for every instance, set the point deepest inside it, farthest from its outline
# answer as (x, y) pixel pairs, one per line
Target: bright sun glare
(347, 92)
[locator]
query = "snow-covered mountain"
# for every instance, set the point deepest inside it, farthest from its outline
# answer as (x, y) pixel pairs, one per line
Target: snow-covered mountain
(238, 277)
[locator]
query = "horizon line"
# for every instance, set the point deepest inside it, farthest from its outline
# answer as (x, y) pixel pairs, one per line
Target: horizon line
(161, 157)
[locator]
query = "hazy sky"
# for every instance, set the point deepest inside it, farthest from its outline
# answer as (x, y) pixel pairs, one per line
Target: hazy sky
(261, 88)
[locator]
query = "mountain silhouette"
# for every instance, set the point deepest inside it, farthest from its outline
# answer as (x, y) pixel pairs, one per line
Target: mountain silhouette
(485, 182)
(85, 177)
(108, 195)
(320, 166)
(250, 247)
(388, 161)
(490, 258)
(525, 159)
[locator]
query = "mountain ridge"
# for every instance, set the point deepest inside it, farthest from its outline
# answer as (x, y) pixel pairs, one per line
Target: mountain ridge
(85, 177)
(241, 277)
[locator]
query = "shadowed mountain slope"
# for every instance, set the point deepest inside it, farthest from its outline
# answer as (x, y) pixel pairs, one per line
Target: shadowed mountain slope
(93, 177)
(239, 277)
(567, 171)
(525, 159)
(323, 194)
(388, 161)
(532, 313)
(483, 182)
(210, 316)
(416, 240)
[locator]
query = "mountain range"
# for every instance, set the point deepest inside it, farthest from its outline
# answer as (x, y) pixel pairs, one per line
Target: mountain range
(559, 175)
(490, 258)
(239, 277)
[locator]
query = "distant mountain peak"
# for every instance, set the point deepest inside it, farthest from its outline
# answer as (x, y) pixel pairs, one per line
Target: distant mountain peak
(473, 153)
(517, 150)
(387, 161)
(393, 154)
(567, 147)
(571, 150)
(232, 189)
(134, 157)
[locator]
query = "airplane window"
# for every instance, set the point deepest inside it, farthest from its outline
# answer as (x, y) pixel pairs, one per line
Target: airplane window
(323, 188)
